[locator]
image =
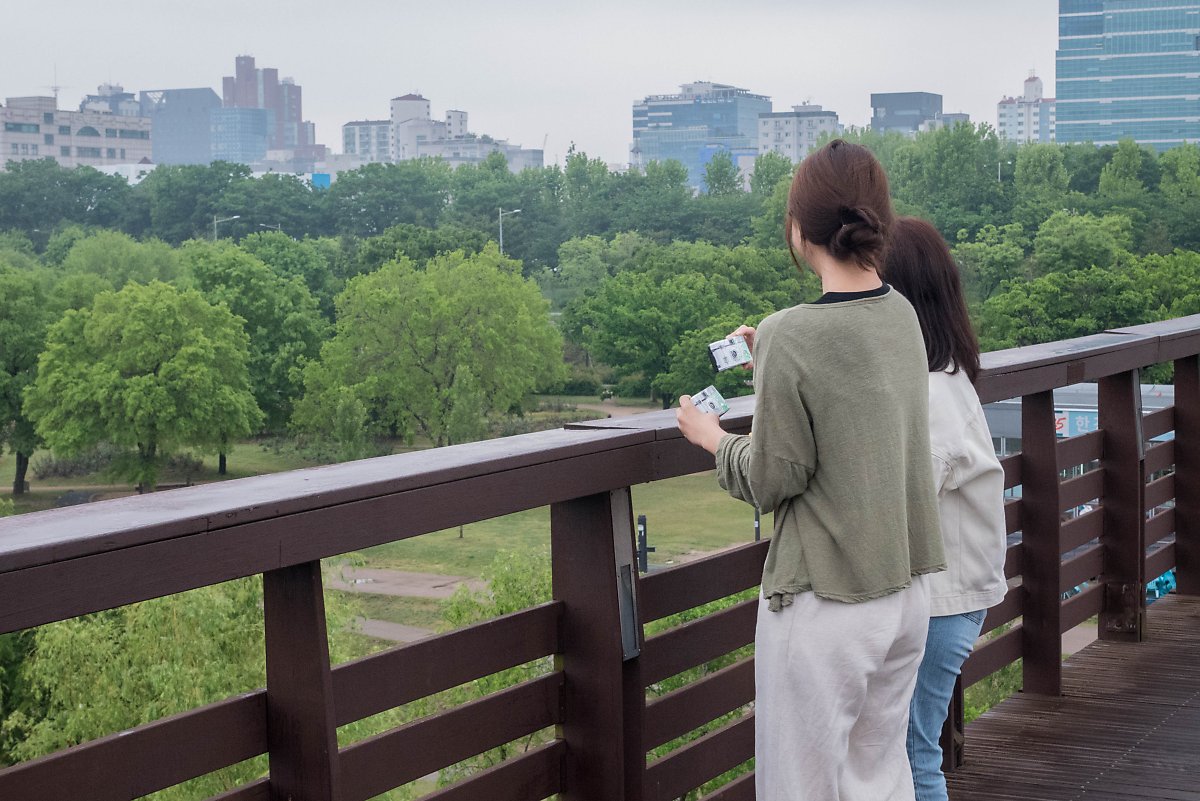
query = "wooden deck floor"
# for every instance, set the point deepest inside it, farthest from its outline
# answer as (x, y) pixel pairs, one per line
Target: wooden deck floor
(1126, 727)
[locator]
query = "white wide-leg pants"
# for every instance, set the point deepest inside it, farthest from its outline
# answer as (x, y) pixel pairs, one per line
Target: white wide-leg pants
(833, 683)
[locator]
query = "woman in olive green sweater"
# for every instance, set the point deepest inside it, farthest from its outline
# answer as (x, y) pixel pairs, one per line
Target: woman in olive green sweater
(840, 453)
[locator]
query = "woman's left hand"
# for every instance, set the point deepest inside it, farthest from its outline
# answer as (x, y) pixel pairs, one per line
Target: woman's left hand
(698, 427)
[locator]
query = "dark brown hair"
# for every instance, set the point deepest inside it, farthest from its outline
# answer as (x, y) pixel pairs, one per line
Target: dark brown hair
(919, 266)
(840, 201)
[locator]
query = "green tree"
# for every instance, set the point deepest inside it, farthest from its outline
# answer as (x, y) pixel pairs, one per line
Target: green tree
(39, 194)
(1180, 190)
(721, 175)
(280, 315)
(770, 169)
(1067, 241)
(1120, 180)
(285, 203)
(1041, 185)
(293, 258)
(371, 199)
(151, 369)
(118, 259)
(182, 200)
(691, 370)
(434, 351)
(993, 256)
(417, 243)
(24, 317)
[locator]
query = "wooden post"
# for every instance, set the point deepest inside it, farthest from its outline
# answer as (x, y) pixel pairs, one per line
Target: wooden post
(1041, 566)
(1123, 615)
(1187, 475)
(953, 731)
(595, 576)
(301, 734)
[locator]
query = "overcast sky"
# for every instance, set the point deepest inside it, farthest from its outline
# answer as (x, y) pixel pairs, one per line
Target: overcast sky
(532, 69)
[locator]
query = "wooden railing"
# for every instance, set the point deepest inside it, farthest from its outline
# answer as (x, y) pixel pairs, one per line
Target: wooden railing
(64, 563)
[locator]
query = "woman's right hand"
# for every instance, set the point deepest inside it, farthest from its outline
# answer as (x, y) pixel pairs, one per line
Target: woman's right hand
(748, 332)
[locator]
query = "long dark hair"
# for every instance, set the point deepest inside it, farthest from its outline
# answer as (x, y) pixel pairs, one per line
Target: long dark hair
(839, 200)
(919, 266)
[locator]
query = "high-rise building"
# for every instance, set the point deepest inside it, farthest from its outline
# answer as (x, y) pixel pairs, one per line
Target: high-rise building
(253, 88)
(182, 123)
(794, 133)
(904, 111)
(1128, 68)
(35, 128)
(689, 127)
(944, 120)
(1028, 118)
(240, 135)
(415, 134)
(369, 139)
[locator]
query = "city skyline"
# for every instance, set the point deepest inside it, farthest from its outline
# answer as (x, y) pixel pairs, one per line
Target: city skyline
(543, 71)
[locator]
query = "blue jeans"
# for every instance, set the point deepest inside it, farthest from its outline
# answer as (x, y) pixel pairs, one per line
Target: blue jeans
(948, 645)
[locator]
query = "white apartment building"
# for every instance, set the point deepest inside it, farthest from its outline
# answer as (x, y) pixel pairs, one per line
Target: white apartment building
(370, 139)
(34, 128)
(794, 133)
(1028, 118)
(415, 134)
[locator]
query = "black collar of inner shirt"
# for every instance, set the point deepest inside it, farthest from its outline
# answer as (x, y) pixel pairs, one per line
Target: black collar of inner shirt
(842, 297)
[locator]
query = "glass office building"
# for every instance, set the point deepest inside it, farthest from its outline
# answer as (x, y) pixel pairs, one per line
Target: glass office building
(690, 127)
(1128, 68)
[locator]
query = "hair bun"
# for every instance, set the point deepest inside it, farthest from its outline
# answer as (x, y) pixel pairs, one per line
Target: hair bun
(859, 236)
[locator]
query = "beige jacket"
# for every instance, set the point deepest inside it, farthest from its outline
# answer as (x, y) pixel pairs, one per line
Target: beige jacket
(970, 487)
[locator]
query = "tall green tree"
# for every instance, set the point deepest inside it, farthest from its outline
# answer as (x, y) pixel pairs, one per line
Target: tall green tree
(721, 175)
(993, 256)
(770, 169)
(371, 199)
(151, 369)
(1067, 241)
(182, 200)
(280, 315)
(25, 314)
(433, 351)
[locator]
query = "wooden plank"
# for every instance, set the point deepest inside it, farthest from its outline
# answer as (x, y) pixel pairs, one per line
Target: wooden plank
(1082, 567)
(1082, 530)
(1014, 557)
(148, 758)
(1160, 456)
(688, 767)
(1006, 611)
(1080, 489)
(1012, 470)
(694, 705)
(1079, 608)
(1158, 422)
(301, 734)
(699, 641)
(1124, 534)
(1074, 451)
(59, 534)
(405, 673)
(33, 596)
(676, 589)
(1160, 526)
(992, 655)
(395, 758)
(1187, 472)
(532, 776)
(1040, 572)
(1159, 491)
(1014, 514)
(1161, 561)
(583, 555)
(740, 789)
(254, 791)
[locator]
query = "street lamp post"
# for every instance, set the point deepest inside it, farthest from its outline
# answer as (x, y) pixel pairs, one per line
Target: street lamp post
(998, 163)
(216, 222)
(500, 218)
(277, 226)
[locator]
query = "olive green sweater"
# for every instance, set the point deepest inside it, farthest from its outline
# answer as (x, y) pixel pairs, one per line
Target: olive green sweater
(840, 451)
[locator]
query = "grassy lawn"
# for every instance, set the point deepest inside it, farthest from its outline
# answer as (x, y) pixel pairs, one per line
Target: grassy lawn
(683, 515)
(423, 612)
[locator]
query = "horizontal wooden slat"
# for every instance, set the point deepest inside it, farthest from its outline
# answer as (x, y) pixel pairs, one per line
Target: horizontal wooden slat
(1012, 470)
(1079, 608)
(57, 591)
(394, 758)
(1158, 422)
(692, 765)
(740, 789)
(399, 675)
(1014, 511)
(1081, 530)
(1160, 561)
(692, 706)
(532, 776)
(1075, 491)
(1073, 451)
(1013, 558)
(1006, 611)
(1080, 568)
(1160, 456)
(992, 655)
(1159, 526)
(700, 641)
(1160, 491)
(255, 791)
(666, 592)
(151, 757)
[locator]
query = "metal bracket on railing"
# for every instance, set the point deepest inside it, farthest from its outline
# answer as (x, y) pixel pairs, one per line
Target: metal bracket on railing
(622, 524)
